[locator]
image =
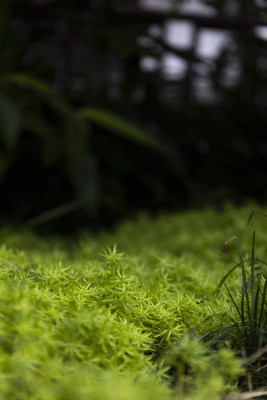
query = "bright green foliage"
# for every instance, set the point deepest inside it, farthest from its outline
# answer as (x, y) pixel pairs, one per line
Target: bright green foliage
(198, 372)
(120, 316)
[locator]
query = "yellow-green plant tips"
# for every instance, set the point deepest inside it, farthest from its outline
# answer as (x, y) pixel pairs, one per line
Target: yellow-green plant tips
(134, 314)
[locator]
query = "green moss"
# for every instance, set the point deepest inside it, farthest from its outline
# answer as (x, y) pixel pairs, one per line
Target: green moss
(91, 320)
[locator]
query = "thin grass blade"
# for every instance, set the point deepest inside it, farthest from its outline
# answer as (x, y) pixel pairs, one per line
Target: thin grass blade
(229, 273)
(245, 294)
(224, 334)
(235, 305)
(53, 213)
(255, 315)
(262, 317)
(250, 217)
(252, 277)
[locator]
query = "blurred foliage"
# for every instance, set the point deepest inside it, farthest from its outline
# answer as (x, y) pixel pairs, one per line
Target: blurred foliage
(85, 128)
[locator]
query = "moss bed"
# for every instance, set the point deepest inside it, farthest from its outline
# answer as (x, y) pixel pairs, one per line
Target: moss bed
(129, 315)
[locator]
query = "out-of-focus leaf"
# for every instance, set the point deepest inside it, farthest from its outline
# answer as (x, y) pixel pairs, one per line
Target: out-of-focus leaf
(36, 124)
(44, 91)
(28, 82)
(10, 114)
(85, 182)
(5, 161)
(74, 141)
(51, 150)
(118, 126)
(53, 213)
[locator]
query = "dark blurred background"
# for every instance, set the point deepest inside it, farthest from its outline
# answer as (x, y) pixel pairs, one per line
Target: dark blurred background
(109, 107)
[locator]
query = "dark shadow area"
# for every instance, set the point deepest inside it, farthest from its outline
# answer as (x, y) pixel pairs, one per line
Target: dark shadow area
(112, 107)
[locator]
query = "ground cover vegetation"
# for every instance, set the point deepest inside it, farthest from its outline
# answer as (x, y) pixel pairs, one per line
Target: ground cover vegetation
(160, 308)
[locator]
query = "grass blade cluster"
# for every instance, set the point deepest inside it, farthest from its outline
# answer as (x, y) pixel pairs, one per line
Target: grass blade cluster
(249, 335)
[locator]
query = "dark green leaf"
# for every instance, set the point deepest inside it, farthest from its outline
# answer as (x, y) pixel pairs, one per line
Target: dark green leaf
(85, 182)
(43, 90)
(10, 114)
(28, 82)
(118, 126)
(74, 141)
(36, 124)
(54, 213)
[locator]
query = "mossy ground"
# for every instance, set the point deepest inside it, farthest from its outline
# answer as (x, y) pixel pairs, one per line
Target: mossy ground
(115, 317)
